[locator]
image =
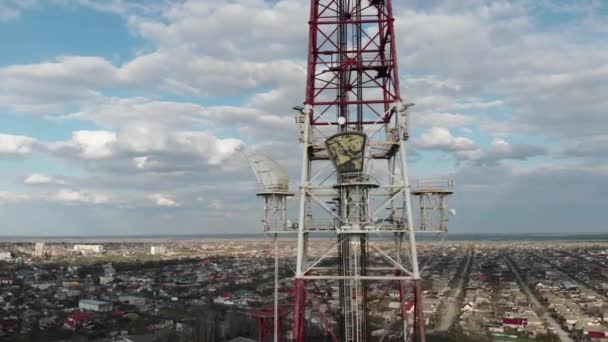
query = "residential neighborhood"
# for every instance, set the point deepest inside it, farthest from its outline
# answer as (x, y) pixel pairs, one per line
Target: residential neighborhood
(211, 290)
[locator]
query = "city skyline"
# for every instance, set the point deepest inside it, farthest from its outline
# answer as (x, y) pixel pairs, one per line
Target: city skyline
(134, 118)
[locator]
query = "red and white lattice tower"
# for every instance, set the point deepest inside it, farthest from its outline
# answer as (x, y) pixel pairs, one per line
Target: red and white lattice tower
(354, 184)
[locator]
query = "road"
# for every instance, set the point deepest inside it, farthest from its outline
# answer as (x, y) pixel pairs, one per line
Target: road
(455, 301)
(581, 285)
(563, 336)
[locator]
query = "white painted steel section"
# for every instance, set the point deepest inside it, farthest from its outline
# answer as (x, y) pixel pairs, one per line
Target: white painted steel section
(408, 203)
(276, 288)
(308, 110)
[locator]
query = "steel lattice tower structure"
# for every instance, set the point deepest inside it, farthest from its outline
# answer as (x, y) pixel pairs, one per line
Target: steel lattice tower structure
(353, 99)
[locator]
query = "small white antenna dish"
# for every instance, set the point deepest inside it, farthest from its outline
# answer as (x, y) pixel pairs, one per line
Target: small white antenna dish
(270, 175)
(453, 212)
(341, 120)
(273, 186)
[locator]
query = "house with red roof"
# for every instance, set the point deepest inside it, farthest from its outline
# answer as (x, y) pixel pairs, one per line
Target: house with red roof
(77, 319)
(9, 325)
(515, 323)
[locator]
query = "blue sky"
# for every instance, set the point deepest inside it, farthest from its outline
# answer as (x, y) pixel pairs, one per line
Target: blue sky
(132, 117)
(43, 33)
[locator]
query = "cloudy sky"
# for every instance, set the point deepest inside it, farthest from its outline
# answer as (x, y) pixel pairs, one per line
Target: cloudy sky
(133, 117)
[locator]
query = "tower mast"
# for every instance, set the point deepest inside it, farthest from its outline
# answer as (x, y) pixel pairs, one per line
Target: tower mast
(353, 130)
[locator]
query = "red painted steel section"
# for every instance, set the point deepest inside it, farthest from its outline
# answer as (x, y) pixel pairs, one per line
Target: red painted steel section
(299, 321)
(364, 97)
(312, 48)
(419, 329)
(375, 60)
(265, 319)
(324, 322)
(328, 328)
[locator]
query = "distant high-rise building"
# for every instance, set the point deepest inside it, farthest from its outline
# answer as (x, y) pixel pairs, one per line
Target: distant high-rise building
(94, 305)
(109, 270)
(105, 280)
(5, 256)
(57, 251)
(158, 250)
(40, 249)
(88, 249)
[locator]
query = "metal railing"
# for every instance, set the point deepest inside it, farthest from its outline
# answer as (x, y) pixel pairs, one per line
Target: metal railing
(280, 188)
(433, 183)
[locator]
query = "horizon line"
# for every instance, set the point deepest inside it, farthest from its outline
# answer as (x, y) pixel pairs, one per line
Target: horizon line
(263, 233)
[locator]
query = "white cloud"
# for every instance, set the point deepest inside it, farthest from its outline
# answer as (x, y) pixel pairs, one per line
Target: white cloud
(430, 81)
(505, 54)
(163, 200)
(123, 7)
(143, 137)
(10, 197)
(216, 204)
(74, 196)
(236, 30)
(595, 147)
(94, 144)
(478, 103)
(15, 144)
(501, 149)
(88, 144)
(52, 87)
(63, 196)
(11, 9)
(441, 119)
(208, 146)
(147, 146)
(36, 178)
(141, 162)
(426, 37)
(466, 130)
(439, 138)
(7, 14)
(147, 114)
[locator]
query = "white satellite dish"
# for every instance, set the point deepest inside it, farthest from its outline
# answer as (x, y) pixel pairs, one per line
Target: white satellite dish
(341, 120)
(270, 175)
(453, 212)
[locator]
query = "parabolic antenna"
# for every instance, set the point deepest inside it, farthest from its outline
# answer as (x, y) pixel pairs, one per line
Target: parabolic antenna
(270, 175)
